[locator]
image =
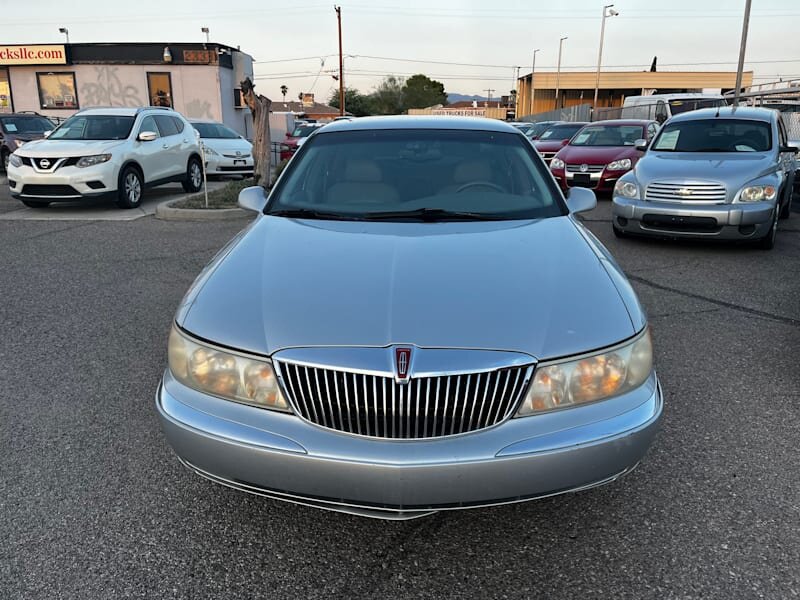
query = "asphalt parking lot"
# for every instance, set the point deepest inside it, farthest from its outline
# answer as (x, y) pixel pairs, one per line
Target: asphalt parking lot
(93, 504)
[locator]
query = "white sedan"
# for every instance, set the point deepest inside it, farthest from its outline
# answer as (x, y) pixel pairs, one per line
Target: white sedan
(226, 152)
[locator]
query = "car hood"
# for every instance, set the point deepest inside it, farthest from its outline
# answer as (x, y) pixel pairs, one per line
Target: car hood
(228, 146)
(27, 137)
(545, 146)
(729, 168)
(536, 287)
(597, 155)
(58, 148)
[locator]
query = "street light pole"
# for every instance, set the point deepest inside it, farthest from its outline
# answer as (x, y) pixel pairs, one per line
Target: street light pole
(558, 70)
(207, 31)
(607, 12)
(65, 31)
(533, 69)
(742, 47)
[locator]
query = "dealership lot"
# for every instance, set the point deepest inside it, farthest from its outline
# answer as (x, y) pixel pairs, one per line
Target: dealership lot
(95, 505)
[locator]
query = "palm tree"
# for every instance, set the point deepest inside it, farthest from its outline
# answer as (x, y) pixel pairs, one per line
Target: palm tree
(284, 90)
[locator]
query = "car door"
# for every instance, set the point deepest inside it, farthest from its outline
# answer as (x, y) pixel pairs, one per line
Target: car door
(148, 154)
(171, 152)
(188, 140)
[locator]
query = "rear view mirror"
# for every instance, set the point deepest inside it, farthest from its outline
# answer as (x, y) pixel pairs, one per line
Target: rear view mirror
(581, 200)
(147, 136)
(641, 144)
(252, 198)
(792, 149)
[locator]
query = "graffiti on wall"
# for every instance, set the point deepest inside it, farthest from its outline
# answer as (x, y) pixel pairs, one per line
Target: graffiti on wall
(198, 109)
(109, 90)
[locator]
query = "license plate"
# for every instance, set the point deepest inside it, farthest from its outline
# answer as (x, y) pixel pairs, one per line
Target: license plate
(239, 162)
(582, 178)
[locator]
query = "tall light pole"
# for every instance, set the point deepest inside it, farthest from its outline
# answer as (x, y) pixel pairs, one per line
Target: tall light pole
(742, 47)
(558, 69)
(65, 31)
(533, 69)
(208, 34)
(607, 12)
(338, 10)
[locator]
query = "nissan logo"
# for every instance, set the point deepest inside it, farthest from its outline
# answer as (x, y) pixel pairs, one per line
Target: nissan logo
(44, 163)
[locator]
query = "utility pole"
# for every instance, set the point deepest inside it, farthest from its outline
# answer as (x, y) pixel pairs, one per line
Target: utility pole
(742, 47)
(533, 69)
(489, 97)
(607, 12)
(558, 70)
(516, 96)
(338, 10)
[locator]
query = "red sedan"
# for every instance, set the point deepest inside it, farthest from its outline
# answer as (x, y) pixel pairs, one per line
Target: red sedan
(601, 153)
(291, 143)
(556, 137)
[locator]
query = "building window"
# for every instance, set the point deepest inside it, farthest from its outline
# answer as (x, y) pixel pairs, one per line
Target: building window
(6, 106)
(159, 86)
(57, 90)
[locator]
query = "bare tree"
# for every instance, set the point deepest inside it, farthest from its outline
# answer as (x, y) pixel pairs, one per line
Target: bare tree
(259, 106)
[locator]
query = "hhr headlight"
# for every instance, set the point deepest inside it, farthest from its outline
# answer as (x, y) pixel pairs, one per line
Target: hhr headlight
(90, 161)
(589, 378)
(225, 374)
(757, 193)
(626, 189)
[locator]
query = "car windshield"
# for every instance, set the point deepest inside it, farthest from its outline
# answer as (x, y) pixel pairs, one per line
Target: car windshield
(715, 135)
(94, 127)
(26, 124)
(417, 175)
(608, 135)
(681, 106)
(215, 131)
(560, 132)
(303, 131)
(537, 129)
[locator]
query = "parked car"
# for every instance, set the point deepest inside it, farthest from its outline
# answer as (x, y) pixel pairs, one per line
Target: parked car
(556, 137)
(722, 173)
(18, 128)
(289, 146)
(664, 106)
(600, 153)
(537, 129)
(226, 152)
(107, 152)
(448, 373)
(523, 126)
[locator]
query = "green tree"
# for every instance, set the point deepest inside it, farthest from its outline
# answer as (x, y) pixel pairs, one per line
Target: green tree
(420, 91)
(388, 96)
(355, 103)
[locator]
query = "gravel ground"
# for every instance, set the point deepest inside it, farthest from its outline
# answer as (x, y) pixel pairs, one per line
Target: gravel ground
(93, 504)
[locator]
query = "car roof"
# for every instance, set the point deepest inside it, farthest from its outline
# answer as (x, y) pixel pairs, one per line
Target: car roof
(623, 122)
(420, 122)
(22, 115)
(727, 112)
(123, 111)
(562, 123)
(681, 95)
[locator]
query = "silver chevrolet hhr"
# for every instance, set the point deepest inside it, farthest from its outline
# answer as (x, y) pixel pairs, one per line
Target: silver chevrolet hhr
(716, 173)
(416, 321)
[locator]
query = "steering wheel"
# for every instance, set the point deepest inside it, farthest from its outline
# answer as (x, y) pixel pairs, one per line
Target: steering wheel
(488, 184)
(742, 142)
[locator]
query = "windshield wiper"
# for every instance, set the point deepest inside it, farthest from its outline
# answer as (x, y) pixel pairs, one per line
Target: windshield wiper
(430, 215)
(307, 213)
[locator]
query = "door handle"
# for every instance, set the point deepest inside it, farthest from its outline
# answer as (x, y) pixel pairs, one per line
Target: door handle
(165, 146)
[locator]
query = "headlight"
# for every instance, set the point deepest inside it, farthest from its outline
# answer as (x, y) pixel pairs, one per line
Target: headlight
(210, 151)
(90, 161)
(556, 163)
(589, 378)
(626, 189)
(622, 164)
(15, 161)
(757, 193)
(230, 376)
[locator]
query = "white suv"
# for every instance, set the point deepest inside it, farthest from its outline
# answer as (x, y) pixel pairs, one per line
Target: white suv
(110, 152)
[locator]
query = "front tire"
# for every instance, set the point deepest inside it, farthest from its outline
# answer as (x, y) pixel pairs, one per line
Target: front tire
(35, 204)
(5, 156)
(194, 177)
(129, 188)
(618, 233)
(786, 210)
(768, 241)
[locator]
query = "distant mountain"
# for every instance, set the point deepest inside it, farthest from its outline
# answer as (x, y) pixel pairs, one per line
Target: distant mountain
(463, 97)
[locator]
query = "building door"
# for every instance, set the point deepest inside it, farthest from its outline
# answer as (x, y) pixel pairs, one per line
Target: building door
(6, 106)
(159, 86)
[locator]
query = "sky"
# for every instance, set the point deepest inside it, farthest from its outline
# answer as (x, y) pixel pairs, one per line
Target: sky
(470, 46)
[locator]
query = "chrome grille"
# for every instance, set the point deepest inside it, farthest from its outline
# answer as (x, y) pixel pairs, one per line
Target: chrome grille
(705, 193)
(589, 168)
(425, 407)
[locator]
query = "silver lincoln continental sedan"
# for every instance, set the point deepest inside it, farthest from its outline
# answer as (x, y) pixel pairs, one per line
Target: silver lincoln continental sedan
(415, 321)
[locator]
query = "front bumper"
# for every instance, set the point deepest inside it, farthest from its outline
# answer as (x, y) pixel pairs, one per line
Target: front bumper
(600, 182)
(65, 184)
(223, 165)
(281, 456)
(716, 221)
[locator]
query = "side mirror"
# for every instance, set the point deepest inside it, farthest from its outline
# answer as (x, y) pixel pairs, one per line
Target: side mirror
(47, 133)
(792, 149)
(252, 198)
(641, 144)
(288, 134)
(564, 142)
(147, 136)
(580, 200)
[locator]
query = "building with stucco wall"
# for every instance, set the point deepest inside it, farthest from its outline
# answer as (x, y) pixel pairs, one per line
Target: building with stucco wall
(199, 80)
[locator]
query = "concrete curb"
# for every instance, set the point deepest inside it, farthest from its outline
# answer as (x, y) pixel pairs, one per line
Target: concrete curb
(166, 212)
